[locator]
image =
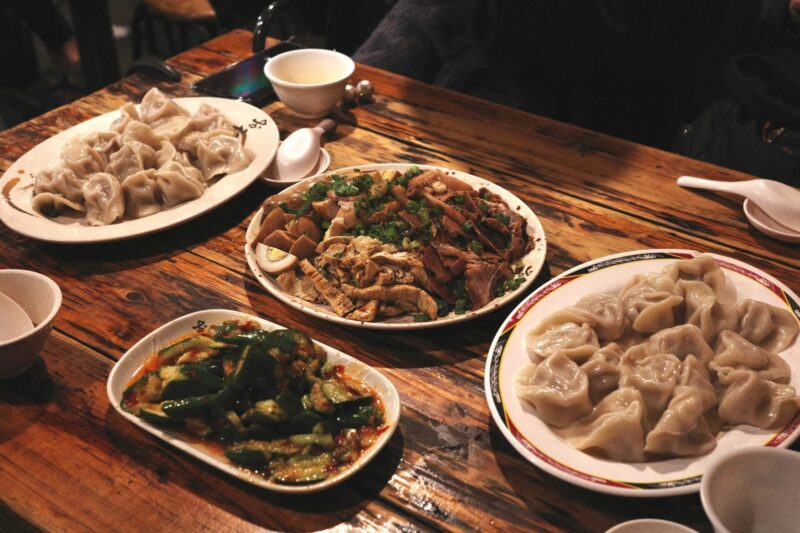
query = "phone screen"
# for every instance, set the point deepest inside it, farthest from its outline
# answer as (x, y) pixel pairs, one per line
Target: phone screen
(244, 80)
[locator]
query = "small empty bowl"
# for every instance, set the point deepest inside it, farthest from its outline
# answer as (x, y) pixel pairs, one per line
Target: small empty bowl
(650, 525)
(752, 490)
(310, 82)
(40, 298)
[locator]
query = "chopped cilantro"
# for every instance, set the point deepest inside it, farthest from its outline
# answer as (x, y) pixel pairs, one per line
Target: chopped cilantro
(413, 206)
(458, 199)
(421, 317)
(413, 171)
(502, 217)
(317, 192)
(342, 188)
(363, 182)
(510, 285)
(459, 289)
(338, 254)
(476, 246)
(468, 227)
(460, 307)
(424, 216)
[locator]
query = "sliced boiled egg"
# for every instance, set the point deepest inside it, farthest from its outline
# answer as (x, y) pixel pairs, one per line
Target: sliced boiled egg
(274, 260)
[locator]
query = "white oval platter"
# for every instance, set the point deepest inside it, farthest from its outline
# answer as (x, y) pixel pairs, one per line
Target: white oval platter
(532, 262)
(134, 358)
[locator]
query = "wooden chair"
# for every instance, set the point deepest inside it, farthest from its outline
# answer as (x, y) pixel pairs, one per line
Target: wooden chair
(174, 16)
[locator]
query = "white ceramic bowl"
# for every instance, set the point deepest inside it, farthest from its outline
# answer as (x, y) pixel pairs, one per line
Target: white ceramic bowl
(309, 81)
(40, 298)
(650, 525)
(753, 489)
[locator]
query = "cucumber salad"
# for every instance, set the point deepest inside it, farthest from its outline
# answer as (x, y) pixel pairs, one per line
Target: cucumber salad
(270, 398)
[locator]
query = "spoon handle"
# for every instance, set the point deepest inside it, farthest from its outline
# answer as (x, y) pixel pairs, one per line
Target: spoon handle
(741, 188)
(326, 125)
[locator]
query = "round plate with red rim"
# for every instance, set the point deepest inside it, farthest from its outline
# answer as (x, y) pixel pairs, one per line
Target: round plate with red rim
(547, 450)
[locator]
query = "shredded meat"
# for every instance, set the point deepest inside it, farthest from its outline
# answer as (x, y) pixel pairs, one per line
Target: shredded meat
(301, 287)
(340, 303)
(398, 294)
(367, 312)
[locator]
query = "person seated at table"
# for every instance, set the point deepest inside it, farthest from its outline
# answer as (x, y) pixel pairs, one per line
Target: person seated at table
(625, 67)
(27, 92)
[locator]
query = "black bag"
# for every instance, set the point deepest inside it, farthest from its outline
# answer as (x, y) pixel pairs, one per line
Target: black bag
(757, 130)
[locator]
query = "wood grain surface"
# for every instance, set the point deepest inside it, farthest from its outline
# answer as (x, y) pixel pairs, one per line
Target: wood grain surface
(68, 461)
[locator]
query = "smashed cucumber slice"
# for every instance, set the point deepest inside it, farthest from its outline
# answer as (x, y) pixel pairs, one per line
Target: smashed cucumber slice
(323, 440)
(341, 396)
(366, 415)
(155, 415)
(303, 469)
(258, 453)
(186, 407)
(198, 342)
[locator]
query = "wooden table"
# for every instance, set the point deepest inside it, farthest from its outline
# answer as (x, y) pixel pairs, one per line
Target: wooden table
(68, 461)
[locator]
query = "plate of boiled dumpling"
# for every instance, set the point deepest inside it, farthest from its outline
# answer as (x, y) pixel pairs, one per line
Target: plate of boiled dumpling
(628, 374)
(137, 170)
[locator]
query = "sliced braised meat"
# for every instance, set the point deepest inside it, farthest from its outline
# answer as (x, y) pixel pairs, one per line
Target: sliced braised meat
(340, 303)
(484, 240)
(429, 178)
(455, 266)
(448, 250)
(398, 294)
(447, 209)
(496, 225)
(453, 228)
(411, 218)
(519, 244)
(383, 214)
(484, 193)
(434, 264)
(481, 280)
(469, 204)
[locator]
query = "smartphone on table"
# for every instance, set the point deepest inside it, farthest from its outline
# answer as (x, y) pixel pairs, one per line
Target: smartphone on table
(245, 80)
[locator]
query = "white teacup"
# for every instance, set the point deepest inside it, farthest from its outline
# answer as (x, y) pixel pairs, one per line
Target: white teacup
(753, 489)
(310, 81)
(40, 298)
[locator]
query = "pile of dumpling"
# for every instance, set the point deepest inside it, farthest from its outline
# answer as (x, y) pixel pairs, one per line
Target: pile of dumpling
(150, 160)
(658, 369)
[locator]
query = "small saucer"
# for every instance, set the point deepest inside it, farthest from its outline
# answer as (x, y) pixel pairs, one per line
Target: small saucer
(322, 165)
(767, 225)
